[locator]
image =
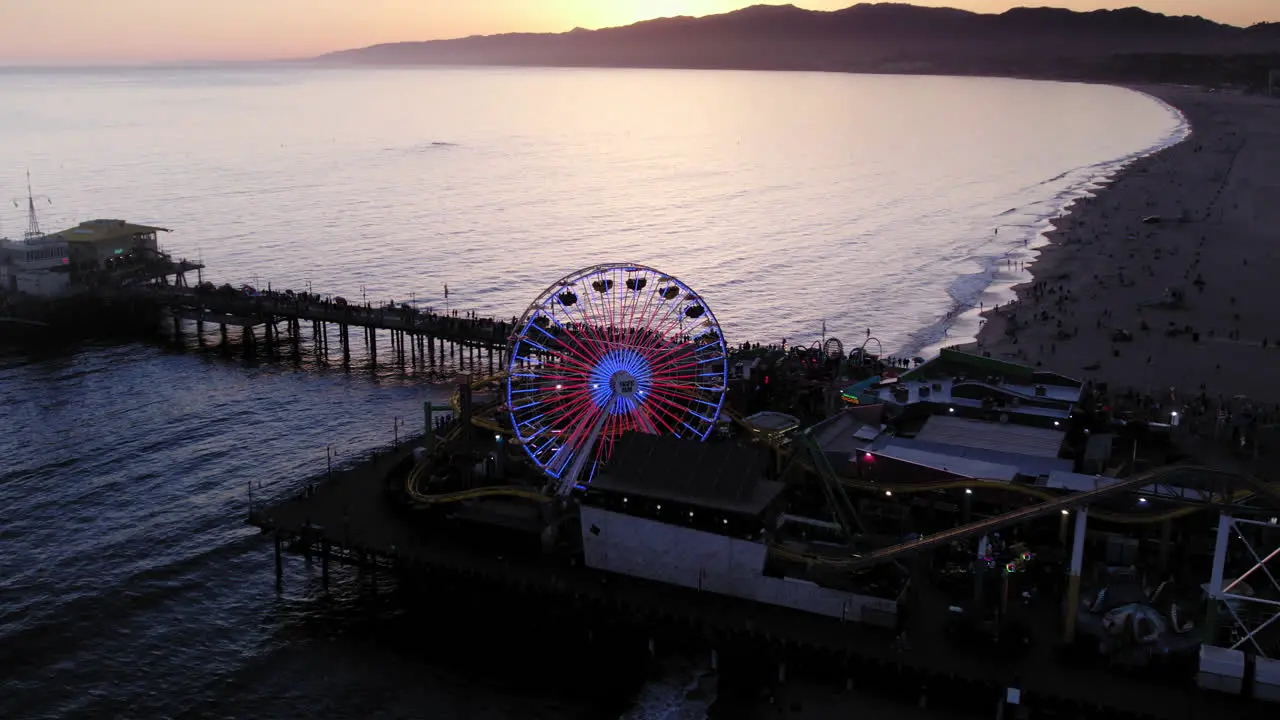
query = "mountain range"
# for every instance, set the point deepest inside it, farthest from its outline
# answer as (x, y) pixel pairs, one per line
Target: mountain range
(1128, 44)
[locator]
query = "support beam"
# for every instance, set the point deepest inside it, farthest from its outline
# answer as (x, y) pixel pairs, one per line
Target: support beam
(279, 565)
(1073, 580)
(1166, 538)
(429, 433)
(1009, 519)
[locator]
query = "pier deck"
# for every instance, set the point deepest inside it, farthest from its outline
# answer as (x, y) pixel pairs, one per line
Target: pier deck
(349, 519)
(249, 309)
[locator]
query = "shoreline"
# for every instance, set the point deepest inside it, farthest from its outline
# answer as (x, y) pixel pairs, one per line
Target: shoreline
(1170, 304)
(1012, 268)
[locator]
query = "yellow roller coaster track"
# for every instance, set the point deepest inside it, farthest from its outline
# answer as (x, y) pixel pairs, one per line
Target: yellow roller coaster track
(484, 492)
(859, 562)
(1113, 517)
(416, 476)
(484, 423)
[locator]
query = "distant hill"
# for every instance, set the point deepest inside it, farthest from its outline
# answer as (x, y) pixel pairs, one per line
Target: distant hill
(1127, 45)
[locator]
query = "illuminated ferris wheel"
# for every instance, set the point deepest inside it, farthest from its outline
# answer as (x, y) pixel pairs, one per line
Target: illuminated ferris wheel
(606, 350)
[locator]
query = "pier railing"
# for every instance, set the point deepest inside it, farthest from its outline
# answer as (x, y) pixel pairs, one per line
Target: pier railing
(266, 307)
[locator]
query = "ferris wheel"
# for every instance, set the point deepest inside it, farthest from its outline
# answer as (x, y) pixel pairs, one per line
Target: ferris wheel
(609, 349)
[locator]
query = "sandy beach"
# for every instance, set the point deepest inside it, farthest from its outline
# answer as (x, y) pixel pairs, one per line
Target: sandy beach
(1164, 277)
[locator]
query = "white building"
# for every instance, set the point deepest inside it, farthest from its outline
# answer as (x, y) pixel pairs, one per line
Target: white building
(697, 515)
(35, 266)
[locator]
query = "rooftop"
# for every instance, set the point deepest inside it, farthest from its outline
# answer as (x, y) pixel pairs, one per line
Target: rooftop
(713, 475)
(1051, 401)
(20, 243)
(773, 422)
(970, 461)
(946, 462)
(847, 432)
(954, 363)
(96, 230)
(1000, 437)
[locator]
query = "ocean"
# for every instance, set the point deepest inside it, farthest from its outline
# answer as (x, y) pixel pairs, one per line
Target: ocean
(792, 202)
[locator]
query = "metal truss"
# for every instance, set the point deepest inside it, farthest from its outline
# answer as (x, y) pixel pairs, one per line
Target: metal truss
(1206, 486)
(1230, 527)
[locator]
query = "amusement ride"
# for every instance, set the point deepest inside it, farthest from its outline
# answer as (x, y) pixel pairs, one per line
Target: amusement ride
(608, 349)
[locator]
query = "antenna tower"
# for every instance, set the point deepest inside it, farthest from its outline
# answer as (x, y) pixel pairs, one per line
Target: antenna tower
(33, 221)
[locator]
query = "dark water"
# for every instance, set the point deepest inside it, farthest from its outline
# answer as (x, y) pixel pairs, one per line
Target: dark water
(130, 586)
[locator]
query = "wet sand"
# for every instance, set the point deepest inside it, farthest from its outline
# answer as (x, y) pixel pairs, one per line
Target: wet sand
(1184, 302)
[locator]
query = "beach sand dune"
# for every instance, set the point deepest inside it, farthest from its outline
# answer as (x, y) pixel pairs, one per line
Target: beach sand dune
(1170, 275)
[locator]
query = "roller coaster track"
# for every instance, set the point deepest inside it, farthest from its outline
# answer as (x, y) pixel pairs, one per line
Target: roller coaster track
(999, 522)
(414, 480)
(831, 485)
(484, 492)
(477, 419)
(1037, 492)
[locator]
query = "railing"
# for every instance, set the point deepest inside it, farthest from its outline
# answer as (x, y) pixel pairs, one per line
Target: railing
(488, 331)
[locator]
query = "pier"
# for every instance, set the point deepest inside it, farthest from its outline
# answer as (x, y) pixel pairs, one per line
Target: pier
(287, 318)
(869, 574)
(349, 519)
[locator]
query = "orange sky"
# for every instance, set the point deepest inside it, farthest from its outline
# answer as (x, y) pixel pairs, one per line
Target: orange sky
(90, 31)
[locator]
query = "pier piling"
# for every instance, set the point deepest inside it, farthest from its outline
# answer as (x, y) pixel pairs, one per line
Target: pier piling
(324, 562)
(279, 565)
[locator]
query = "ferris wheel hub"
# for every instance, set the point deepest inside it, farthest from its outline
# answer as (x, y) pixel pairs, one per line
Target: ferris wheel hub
(624, 385)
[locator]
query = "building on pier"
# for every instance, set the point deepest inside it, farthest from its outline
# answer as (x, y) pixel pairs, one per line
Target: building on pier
(96, 244)
(703, 516)
(972, 386)
(35, 265)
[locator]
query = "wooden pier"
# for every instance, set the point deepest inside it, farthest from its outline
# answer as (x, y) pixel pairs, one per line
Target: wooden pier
(349, 519)
(418, 338)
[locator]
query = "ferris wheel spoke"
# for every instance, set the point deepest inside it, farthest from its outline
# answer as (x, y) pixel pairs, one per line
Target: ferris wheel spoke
(620, 299)
(575, 348)
(641, 283)
(573, 313)
(675, 374)
(673, 362)
(663, 331)
(574, 363)
(656, 412)
(583, 428)
(687, 403)
(563, 357)
(582, 347)
(682, 416)
(653, 423)
(564, 411)
(572, 344)
(660, 316)
(590, 319)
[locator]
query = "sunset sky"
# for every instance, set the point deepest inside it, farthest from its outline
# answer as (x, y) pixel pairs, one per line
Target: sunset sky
(90, 31)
